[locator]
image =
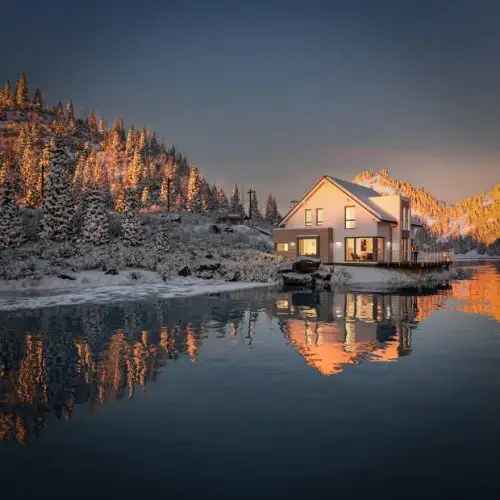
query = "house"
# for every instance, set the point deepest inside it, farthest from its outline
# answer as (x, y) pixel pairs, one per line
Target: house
(345, 223)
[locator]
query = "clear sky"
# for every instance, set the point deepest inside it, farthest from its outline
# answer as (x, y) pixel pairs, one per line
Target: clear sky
(279, 93)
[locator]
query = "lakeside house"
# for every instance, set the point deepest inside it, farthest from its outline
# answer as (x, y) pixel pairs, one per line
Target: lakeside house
(341, 222)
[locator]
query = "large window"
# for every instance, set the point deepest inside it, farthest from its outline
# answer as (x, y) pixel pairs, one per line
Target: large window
(308, 247)
(308, 217)
(364, 249)
(320, 216)
(350, 217)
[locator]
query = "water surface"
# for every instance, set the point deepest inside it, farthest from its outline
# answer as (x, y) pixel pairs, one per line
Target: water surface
(258, 393)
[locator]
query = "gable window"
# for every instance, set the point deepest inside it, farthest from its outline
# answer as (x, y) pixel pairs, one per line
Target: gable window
(350, 217)
(308, 217)
(320, 216)
(308, 247)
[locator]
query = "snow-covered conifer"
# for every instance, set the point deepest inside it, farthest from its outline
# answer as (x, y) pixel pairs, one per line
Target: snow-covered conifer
(30, 175)
(11, 233)
(38, 100)
(272, 215)
(131, 226)
(21, 95)
(57, 208)
(95, 228)
(222, 201)
(236, 205)
(135, 169)
(194, 194)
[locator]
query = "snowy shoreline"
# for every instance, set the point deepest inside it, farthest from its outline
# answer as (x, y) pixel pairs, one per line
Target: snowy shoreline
(94, 287)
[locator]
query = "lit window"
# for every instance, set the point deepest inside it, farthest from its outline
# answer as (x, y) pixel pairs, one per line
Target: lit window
(282, 247)
(364, 249)
(282, 304)
(308, 247)
(350, 249)
(350, 217)
(320, 216)
(308, 217)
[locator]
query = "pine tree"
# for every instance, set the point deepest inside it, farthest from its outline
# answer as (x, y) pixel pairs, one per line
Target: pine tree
(131, 227)
(38, 100)
(11, 233)
(253, 209)
(57, 208)
(222, 201)
(70, 115)
(45, 161)
(21, 95)
(135, 170)
(130, 144)
(30, 175)
(272, 214)
(6, 98)
(95, 220)
(166, 197)
(119, 198)
(236, 206)
(193, 194)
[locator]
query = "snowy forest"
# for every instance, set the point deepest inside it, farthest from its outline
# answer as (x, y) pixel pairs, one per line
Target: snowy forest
(75, 180)
(49, 156)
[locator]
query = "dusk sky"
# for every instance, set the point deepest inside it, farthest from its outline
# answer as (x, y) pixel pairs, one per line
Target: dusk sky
(277, 94)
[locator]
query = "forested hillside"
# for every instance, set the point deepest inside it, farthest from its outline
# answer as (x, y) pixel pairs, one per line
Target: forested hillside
(473, 222)
(112, 159)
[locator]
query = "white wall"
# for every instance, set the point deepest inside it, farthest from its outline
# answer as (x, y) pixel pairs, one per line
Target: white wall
(333, 201)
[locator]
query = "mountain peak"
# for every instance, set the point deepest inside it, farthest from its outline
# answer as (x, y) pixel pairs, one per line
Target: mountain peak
(476, 217)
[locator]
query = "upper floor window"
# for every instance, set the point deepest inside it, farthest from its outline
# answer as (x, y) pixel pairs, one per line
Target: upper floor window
(350, 217)
(320, 216)
(308, 217)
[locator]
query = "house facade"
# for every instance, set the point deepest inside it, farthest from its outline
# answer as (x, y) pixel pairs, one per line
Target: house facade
(345, 223)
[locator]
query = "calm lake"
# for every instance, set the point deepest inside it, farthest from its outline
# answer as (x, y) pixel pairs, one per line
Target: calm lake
(258, 393)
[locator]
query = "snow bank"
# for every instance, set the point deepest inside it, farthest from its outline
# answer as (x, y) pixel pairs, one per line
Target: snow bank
(96, 287)
(374, 278)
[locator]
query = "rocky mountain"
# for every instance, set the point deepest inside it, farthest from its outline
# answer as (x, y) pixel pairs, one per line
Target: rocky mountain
(473, 222)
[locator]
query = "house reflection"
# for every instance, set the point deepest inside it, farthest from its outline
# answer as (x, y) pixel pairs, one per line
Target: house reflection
(334, 330)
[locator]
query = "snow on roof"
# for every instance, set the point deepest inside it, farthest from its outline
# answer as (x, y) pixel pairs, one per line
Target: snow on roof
(356, 189)
(363, 195)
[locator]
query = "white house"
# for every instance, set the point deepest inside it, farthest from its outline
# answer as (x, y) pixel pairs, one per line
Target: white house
(342, 222)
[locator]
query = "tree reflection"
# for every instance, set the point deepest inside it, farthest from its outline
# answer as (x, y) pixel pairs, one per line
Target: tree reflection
(53, 361)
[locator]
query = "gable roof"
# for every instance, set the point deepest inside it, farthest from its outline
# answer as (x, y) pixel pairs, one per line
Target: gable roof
(361, 194)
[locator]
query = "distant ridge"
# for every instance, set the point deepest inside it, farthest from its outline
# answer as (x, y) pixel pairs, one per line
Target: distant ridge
(473, 222)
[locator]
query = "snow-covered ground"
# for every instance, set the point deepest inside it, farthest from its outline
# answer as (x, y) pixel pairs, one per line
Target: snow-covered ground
(375, 278)
(475, 255)
(95, 287)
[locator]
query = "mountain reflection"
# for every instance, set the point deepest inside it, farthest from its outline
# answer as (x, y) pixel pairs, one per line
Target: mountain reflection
(57, 359)
(481, 293)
